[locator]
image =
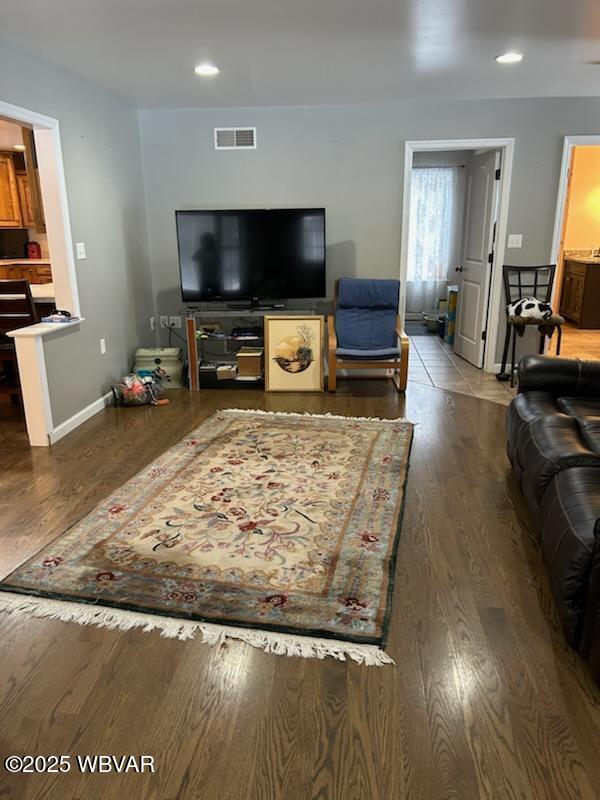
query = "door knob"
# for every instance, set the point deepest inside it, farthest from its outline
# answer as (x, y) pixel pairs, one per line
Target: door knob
(458, 269)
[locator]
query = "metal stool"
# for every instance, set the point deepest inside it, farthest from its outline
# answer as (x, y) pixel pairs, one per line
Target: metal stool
(522, 282)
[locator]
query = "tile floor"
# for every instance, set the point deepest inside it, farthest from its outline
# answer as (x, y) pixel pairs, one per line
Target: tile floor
(432, 362)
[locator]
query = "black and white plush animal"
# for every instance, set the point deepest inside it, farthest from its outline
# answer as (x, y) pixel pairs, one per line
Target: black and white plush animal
(529, 308)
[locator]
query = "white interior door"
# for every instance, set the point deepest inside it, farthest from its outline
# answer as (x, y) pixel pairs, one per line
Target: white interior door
(473, 274)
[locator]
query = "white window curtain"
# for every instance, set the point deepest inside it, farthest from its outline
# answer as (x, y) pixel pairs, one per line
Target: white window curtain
(432, 235)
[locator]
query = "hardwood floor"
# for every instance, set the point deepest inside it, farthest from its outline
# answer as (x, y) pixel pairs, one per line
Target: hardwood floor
(577, 342)
(485, 700)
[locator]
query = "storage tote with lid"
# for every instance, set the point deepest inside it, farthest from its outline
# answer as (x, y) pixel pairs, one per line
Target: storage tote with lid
(168, 358)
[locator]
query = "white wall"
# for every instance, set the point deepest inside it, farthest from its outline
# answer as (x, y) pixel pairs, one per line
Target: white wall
(350, 160)
(101, 149)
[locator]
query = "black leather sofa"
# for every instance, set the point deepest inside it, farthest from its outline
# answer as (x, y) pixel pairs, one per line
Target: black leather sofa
(553, 430)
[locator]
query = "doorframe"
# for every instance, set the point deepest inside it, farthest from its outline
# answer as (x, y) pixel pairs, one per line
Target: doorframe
(506, 145)
(569, 145)
(29, 341)
(46, 134)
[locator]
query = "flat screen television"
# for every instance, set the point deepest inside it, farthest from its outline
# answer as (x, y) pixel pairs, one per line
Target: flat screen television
(265, 254)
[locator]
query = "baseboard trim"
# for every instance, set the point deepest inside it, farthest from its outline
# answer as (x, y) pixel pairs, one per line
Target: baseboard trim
(78, 419)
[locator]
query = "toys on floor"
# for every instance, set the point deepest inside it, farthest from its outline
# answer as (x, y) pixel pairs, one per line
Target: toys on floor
(139, 390)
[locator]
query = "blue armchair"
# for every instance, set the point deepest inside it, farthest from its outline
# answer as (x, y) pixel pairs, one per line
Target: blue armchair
(365, 331)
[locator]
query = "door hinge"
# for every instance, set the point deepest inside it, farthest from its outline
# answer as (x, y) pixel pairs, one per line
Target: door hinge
(491, 258)
(498, 173)
(484, 335)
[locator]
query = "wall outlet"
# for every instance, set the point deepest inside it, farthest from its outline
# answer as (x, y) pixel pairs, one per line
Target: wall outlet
(152, 323)
(174, 322)
(515, 240)
(80, 248)
(102, 346)
(164, 321)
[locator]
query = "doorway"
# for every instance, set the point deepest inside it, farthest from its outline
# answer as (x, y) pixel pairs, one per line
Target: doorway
(576, 249)
(41, 138)
(454, 224)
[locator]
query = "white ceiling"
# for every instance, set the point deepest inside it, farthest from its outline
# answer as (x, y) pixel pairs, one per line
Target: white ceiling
(314, 51)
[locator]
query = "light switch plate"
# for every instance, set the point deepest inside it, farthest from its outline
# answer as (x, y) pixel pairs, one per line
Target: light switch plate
(515, 240)
(80, 248)
(102, 346)
(152, 323)
(164, 321)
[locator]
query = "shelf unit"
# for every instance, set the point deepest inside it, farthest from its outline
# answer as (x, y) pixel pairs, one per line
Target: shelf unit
(195, 346)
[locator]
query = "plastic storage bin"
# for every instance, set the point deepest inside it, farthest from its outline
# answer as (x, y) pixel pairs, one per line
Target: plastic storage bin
(167, 358)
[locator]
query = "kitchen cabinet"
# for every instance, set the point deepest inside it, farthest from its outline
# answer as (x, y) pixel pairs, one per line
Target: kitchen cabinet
(27, 211)
(34, 273)
(580, 295)
(10, 207)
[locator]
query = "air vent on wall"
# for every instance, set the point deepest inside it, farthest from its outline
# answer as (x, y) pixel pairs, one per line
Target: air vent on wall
(235, 138)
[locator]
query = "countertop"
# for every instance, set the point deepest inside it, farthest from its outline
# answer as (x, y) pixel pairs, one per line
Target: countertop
(19, 261)
(42, 292)
(583, 259)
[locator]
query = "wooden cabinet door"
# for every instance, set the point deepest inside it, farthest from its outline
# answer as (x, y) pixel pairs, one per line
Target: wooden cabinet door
(566, 294)
(27, 212)
(10, 208)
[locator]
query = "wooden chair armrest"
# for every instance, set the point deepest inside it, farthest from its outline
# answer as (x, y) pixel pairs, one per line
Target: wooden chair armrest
(331, 334)
(400, 330)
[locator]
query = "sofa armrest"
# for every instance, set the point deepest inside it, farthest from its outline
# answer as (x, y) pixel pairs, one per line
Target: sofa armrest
(562, 377)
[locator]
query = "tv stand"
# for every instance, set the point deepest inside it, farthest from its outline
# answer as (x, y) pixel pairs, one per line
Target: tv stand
(233, 311)
(256, 305)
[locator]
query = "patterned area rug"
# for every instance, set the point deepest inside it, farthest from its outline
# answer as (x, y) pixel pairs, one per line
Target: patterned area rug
(277, 529)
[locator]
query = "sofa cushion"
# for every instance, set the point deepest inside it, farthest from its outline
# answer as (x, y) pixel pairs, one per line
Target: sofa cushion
(523, 410)
(587, 413)
(570, 524)
(549, 445)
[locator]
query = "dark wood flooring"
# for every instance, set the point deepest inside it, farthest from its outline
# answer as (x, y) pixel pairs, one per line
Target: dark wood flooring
(485, 701)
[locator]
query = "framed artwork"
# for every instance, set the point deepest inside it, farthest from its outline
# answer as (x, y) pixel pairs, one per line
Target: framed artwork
(294, 354)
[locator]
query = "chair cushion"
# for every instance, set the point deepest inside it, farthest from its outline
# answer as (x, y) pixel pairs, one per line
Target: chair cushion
(365, 317)
(365, 328)
(382, 353)
(367, 293)
(555, 319)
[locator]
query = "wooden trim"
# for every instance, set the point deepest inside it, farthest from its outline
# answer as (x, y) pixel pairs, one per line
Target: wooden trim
(192, 348)
(286, 317)
(404, 356)
(331, 357)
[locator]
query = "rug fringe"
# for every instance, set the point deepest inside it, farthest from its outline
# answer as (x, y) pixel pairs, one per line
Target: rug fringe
(328, 415)
(281, 644)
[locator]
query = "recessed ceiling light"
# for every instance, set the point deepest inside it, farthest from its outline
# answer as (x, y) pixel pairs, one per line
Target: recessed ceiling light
(206, 70)
(509, 58)
(18, 147)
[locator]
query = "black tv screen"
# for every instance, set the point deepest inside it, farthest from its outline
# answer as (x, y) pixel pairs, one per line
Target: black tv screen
(244, 254)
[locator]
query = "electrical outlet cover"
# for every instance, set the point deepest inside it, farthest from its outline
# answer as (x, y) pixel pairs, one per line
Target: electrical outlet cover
(175, 322)
(164, 321)
(80, 247)
(515, 240)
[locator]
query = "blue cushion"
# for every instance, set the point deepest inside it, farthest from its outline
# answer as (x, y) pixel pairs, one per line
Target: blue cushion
(365, 328)
(366, 312)
(383, 353)
(367, 293)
